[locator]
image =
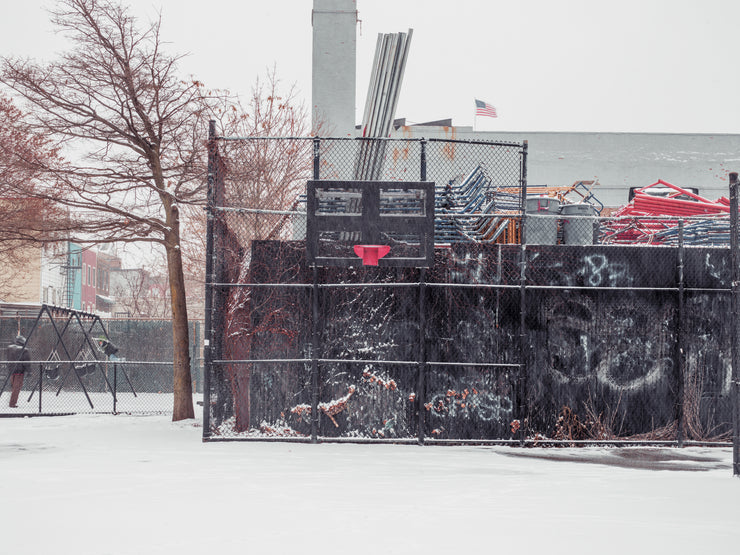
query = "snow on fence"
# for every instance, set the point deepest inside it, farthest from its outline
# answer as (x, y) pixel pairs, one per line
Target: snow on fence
(505, 340)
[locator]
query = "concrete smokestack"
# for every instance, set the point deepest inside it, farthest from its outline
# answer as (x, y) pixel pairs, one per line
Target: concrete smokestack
(334, 66)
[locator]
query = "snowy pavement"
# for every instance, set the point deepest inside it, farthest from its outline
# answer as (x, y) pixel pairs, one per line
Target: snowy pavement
(103, 484)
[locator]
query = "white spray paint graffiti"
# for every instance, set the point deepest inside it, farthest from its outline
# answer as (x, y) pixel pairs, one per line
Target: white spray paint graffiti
(597, 271)
(471, 404)
(655, 371)
(628, 358)
(717, 266)
(468, 268)
(695, 365)
(709, 356)
(569, 344)
(594, 270)
(727, 375)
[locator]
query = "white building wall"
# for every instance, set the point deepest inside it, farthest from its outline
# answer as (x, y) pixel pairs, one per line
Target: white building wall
(617, 161)
(53, 274)
(334, 66)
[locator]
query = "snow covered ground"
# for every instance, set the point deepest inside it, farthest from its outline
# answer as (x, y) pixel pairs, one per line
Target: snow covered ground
(103, 484)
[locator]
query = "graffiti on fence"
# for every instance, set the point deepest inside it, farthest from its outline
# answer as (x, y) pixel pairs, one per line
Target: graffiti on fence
(612, 347)
(718, 266)
(708, 360)
(625, 346)
(468, 267)
(570, 346)
(591, 270)
(470, 404)
(597, 271)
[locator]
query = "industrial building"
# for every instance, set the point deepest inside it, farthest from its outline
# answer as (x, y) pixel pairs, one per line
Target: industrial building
(615, 161)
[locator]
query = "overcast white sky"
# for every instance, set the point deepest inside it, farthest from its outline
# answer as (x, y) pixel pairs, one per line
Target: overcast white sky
(547, 65)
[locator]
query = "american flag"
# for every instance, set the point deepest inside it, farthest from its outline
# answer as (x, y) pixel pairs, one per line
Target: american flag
(484, 109)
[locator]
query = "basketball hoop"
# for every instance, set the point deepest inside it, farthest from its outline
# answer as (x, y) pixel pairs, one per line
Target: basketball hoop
(370, 254)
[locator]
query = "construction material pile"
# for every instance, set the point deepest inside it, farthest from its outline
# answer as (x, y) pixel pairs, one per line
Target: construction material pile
(475, 208)
(652, 217)
(391, 53)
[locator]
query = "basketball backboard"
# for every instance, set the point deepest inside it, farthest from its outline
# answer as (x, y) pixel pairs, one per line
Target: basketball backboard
(344, 214)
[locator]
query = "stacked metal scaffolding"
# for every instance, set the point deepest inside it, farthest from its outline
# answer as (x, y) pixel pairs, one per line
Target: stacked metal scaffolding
(652, 216)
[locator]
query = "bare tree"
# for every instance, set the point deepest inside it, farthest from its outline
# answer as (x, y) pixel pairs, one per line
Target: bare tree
(27, 221)
(266, 175)
(140, 293)
(135, 131)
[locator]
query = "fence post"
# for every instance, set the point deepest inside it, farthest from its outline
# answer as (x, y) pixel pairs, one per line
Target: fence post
(423, 162)
(41, 384)
(421, 383)
(679, 358)
(315, 357)
(315, 318)
(522, 394)
(316, 158)
(207, 333)
(523, 178)
(115, 389)
(734, 304)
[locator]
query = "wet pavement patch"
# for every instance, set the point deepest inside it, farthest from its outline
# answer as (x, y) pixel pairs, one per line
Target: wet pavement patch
(631, 457)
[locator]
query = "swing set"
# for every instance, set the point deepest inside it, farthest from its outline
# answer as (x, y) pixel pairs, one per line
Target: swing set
(75, 359)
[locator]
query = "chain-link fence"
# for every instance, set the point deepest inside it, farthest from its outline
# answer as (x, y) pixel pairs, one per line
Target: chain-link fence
(54, 388)
(532, 325)
(69, 371)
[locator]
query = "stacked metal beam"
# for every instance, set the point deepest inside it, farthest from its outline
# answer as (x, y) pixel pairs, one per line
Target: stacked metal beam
(391, 53)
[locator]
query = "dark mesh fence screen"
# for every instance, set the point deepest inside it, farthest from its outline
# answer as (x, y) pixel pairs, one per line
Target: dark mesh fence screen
(593, 329)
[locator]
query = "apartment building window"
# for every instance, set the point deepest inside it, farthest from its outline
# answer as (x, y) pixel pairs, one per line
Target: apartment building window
(94, 283)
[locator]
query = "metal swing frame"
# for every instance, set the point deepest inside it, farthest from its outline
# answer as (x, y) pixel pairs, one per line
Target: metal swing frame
(71, 361)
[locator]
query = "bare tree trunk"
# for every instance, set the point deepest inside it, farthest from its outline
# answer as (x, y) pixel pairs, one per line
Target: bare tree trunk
(182, 382)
